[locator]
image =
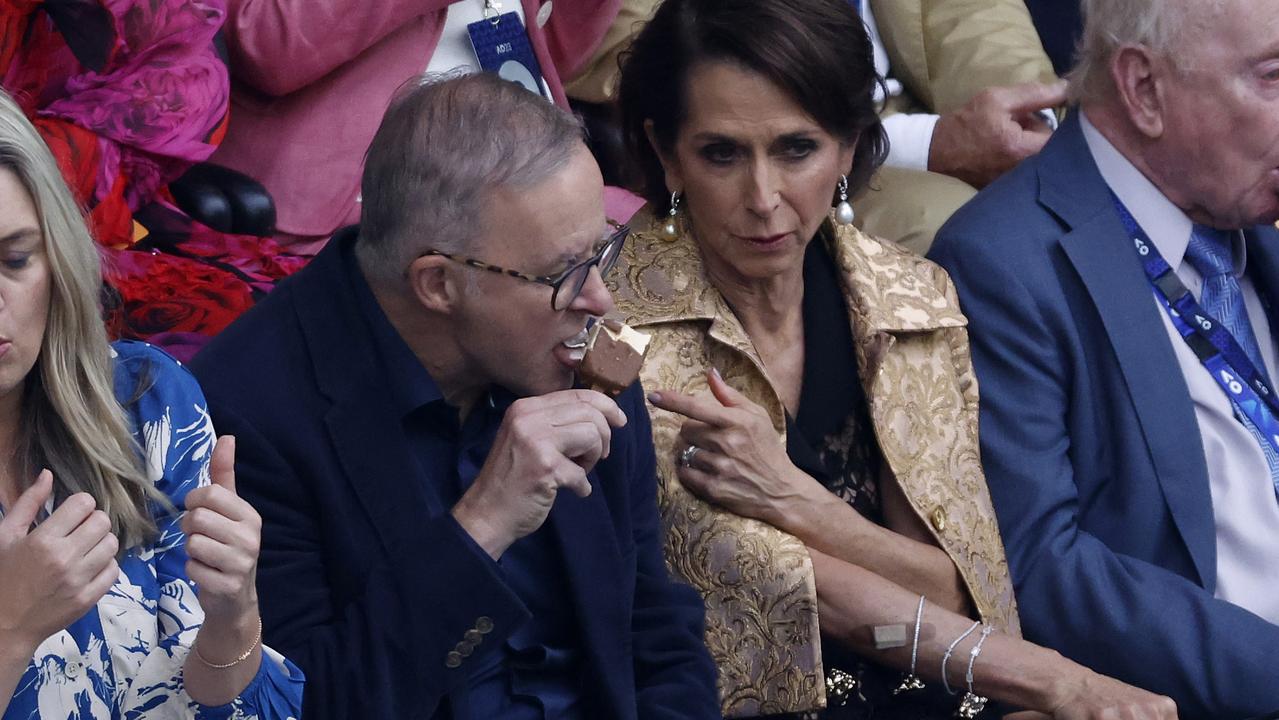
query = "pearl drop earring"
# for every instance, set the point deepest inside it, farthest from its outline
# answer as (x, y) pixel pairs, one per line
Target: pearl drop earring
(670, 229)
(843, 211)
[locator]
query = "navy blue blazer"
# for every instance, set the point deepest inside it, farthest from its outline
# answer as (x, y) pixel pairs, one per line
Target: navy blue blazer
(366, 581)
(1090, 442)
(1059, 23)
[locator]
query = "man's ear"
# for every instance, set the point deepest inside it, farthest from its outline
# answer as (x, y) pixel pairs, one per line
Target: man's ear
(674, 176)
(432, 283)
(1139, 77)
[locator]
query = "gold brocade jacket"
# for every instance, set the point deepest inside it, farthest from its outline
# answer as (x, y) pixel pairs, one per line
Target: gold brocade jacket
(912, 353)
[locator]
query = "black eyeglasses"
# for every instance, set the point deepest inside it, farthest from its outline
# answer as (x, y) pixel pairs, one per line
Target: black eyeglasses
(567, 285)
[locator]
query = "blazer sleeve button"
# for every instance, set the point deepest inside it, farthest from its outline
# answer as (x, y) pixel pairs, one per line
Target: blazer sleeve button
(474, 637)
(453, 659)
(484, 624)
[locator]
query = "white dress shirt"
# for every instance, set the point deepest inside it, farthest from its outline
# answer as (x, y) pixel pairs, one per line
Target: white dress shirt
(1244, 505)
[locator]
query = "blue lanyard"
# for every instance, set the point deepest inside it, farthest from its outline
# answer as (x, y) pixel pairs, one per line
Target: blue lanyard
(1218, 351)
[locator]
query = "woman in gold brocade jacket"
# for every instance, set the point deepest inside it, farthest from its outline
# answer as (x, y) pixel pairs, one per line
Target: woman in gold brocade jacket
(814, 404)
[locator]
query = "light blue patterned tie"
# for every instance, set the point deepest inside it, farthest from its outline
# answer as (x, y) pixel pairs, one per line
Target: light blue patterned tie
(1209, 252)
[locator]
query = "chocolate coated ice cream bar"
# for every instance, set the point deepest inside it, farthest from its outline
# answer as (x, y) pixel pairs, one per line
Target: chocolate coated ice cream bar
(614, 354)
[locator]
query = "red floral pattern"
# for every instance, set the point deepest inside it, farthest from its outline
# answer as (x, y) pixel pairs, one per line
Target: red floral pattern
(165, 293)
(129, 94)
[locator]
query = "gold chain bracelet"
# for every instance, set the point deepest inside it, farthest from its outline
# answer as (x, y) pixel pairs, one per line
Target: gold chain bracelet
(245, 656)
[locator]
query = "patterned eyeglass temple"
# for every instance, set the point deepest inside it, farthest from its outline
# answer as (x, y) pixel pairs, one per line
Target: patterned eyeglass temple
(619, 233)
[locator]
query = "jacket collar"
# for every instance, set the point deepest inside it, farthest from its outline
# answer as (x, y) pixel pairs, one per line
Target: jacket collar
(873, 272)
(363, 420)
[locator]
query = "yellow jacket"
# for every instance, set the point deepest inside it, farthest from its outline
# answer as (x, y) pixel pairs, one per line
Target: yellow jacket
(943, 51)
(912, 353)
(947, 51)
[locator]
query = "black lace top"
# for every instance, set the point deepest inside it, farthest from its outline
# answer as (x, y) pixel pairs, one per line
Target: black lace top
(832, 439)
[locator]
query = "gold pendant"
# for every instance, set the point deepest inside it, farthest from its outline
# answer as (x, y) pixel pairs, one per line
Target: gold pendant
(910, 683)
(839, 686)
(970, 707)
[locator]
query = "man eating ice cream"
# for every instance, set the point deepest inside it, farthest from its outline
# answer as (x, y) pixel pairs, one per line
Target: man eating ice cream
(407, 420)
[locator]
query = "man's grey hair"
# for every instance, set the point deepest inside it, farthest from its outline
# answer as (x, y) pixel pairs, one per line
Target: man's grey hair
(445, 142)
(1160, 25)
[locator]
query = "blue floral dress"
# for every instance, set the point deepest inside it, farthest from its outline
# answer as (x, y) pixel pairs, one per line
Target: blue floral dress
(124, 658)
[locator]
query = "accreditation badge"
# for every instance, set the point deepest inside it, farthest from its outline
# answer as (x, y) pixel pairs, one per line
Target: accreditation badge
(502, 46)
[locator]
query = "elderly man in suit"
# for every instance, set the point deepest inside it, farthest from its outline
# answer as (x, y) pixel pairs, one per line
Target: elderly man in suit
(450, 529)
(1120, 289)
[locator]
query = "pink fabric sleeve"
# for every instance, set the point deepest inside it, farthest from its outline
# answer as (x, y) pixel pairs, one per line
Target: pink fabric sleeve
(280, 46)
(159, 103)
(575, 31)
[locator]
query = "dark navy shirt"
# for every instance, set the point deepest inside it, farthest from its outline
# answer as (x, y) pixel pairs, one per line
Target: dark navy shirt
(536, 674)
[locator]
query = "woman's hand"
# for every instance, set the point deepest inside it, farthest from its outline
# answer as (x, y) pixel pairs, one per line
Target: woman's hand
(740, 462)
(1097, 697)
(54, 574)
(224, 534)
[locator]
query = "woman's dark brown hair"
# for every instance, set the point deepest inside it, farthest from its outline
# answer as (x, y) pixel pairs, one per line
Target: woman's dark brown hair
(816, 51)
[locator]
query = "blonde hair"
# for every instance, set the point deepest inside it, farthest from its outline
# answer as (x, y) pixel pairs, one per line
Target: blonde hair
(72, 422)
(1160, 25)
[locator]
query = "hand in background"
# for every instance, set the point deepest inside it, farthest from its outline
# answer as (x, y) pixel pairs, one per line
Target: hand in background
(1097, 697)
(993, 132)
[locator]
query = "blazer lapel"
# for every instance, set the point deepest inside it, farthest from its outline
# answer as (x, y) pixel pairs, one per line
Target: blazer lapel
(362, 421)
(380, 468)
(1098, 247)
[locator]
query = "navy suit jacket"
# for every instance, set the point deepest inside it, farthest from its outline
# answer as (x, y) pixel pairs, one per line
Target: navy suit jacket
(1059, 23)
(366, 581)
(1090, 442)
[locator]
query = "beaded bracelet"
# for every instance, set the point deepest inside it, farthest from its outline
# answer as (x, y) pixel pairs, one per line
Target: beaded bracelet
(972, 655)
(972, 704)
(950, 650)
(244, 656)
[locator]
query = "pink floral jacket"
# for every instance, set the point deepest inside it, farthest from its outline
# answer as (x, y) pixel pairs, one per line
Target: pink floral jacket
(127, 93)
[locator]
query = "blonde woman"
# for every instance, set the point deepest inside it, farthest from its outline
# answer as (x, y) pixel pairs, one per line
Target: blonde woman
(116, 503)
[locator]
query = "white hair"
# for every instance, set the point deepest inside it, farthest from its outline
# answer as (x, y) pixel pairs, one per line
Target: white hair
(1160, 25)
